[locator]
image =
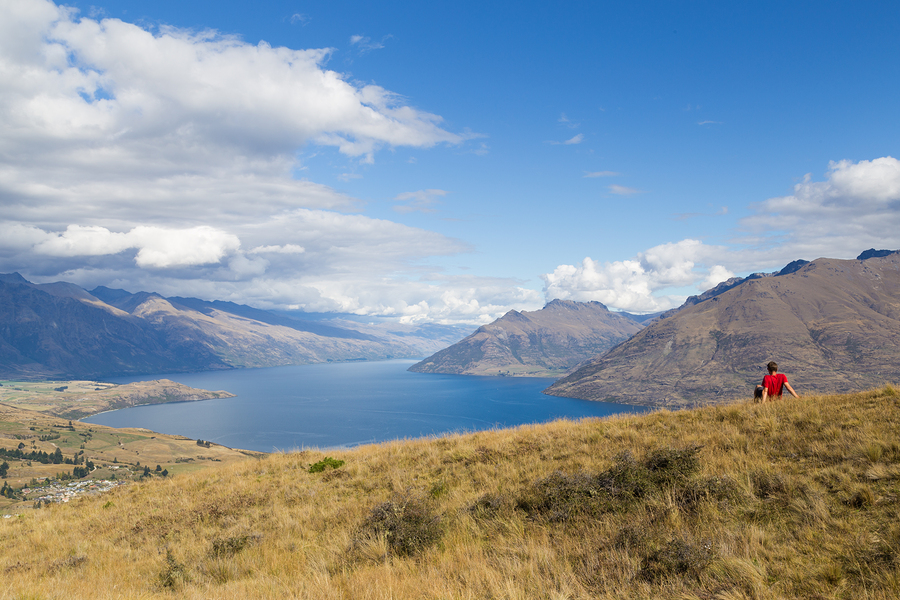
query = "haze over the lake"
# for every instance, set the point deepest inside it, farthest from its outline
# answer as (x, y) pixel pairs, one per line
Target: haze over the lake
(443, 162)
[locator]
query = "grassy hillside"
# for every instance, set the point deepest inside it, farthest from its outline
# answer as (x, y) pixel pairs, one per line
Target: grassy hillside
(117, 454)
(795, 499)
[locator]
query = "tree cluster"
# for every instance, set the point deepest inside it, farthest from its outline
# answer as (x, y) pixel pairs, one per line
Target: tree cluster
(7, 490)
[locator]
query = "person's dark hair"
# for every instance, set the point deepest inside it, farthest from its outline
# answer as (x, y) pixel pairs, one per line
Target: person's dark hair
(772, 366)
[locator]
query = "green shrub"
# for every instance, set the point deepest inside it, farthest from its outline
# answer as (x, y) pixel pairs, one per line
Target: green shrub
(327, 462)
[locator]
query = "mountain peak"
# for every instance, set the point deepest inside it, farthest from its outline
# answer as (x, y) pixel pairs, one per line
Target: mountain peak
(13, 278)
(873, 253)
(560, 304)
(834, 329)
(544, 343)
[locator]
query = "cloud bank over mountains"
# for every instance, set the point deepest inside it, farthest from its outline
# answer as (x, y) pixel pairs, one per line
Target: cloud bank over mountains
(167, 160)
(856, 207)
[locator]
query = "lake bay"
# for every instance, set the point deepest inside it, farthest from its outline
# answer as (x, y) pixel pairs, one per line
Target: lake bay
(348, 404)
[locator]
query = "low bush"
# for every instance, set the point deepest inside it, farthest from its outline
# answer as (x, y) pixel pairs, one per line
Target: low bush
(174, 574)
(407, 524)
(562, 496)
(325, 463)
(229, 546)
(677, 558)
(487, 505)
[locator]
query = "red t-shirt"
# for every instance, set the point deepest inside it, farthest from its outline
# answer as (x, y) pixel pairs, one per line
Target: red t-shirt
(774, 383)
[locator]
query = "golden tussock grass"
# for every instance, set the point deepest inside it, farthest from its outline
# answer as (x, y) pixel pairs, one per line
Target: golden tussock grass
(793, 499)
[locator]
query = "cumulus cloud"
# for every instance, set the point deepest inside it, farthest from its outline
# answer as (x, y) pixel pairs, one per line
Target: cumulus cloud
(166, 160)
(856, 207)
(100, 118)
(157, 247)
(634, 284)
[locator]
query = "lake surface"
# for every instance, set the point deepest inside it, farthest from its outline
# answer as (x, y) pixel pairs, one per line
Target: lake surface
(347, 404)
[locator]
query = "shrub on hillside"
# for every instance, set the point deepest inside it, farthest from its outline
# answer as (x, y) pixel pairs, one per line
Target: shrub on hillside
(561, 496)
(229, 546)
(407, 524)
(678, 557)
(325, 463)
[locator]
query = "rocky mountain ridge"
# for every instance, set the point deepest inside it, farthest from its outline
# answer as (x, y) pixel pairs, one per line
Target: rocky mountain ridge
(60, 330)
(832, 325)
(546, 342)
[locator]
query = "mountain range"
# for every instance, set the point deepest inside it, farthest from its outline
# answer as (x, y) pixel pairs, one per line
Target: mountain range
(544, 343)
(64, 331)
(831, 325)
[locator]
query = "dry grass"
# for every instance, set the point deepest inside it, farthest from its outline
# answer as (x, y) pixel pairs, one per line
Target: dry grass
(797, 499)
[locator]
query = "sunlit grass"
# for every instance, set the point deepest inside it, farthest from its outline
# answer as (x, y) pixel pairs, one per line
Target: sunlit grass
(795, 499)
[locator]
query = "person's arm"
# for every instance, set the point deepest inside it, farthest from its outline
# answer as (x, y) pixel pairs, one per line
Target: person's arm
(765, 395)
(790, 389)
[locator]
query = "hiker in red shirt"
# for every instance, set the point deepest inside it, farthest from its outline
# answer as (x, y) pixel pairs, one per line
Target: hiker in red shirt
(773, 383)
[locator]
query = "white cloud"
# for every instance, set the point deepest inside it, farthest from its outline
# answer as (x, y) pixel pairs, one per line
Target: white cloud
(420, 201)
(565, 121)
(156, 247)
(621, 190)
(286, 249)
(569, 142)
(166, 161)
(856, 207)
(601, 174)
(634, 284)
(85, 241)
(717, 274)
(364, 44)
(106, 118)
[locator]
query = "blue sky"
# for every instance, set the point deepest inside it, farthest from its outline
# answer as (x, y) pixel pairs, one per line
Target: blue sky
(443, 161)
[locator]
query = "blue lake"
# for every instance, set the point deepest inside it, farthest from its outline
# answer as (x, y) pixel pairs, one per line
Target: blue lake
(347, 404)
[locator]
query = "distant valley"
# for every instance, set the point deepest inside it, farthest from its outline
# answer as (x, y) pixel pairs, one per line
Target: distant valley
(60, 330)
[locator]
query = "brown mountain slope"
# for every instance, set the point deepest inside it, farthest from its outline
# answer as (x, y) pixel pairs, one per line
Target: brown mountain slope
(543, 343)
(62, 331)
(832, 325)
